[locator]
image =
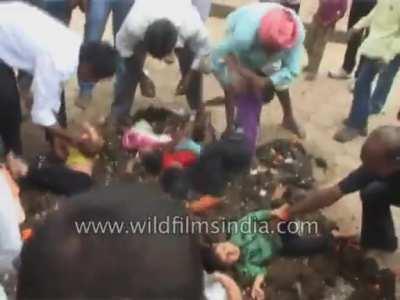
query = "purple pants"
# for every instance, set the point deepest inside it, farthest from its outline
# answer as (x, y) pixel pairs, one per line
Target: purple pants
(248, 110)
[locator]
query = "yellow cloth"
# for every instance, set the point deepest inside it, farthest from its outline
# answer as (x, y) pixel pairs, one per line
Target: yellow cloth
(383, 41)
(76, 158)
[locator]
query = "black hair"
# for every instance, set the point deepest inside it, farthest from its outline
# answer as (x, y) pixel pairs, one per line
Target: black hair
(160, 38)
(101, 56)
(174, 181)
(152, 162)
(219, 163)
(58, 262)
(211, 262)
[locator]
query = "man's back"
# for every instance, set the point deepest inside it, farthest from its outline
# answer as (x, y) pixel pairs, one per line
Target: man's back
(27, 34)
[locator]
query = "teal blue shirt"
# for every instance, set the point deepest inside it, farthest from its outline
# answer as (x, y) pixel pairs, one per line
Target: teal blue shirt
(241, 39)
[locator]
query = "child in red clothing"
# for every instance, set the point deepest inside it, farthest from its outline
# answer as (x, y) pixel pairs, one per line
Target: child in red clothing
(324, 21)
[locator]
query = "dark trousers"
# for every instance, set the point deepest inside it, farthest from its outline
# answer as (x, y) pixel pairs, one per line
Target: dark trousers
(10, 111)
(295, 245)
(59, 179)
(129, 75)
(358, 10)
(377, 229)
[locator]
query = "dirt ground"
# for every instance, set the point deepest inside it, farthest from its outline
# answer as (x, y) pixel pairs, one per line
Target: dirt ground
(320, 106)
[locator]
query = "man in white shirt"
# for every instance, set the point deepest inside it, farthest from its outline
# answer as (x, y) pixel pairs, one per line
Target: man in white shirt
(158, 27)
(52, 53)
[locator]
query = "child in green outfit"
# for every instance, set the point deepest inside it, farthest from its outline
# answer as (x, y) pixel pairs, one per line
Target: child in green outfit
(256, 239)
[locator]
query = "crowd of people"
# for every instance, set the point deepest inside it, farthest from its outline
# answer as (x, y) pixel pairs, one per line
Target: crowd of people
(258, 58)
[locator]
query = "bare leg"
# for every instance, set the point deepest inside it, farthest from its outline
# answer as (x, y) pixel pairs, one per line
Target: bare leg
(289, 122)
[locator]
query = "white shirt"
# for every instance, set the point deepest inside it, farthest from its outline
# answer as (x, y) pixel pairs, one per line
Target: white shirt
(181, 13)
(10, 216)
(33, 41)
(213, 290)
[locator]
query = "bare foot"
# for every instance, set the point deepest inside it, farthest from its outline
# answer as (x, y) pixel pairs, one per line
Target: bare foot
(294, 127)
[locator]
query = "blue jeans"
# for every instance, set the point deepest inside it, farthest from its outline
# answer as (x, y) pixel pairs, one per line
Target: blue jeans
(384, 85)
(96, 20)
(364, 99)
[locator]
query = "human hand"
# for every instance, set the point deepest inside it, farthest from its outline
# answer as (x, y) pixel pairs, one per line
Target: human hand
(352, 31)
(89, 142)
(183, 84)
(229, 130)
(60, 148)
(257, 291)
(282, 212)
(232, 62)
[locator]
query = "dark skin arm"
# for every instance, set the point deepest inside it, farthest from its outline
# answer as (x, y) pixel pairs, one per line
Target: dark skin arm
(255, 81)
(314, 200)
(229, 110)
(246, 79)
(63, 134)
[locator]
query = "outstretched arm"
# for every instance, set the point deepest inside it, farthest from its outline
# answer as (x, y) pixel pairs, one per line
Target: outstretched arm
(315, 200)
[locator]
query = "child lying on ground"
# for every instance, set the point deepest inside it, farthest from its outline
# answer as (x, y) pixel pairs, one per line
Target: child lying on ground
(218, 163)
(70, 178)
(253, 244)
(181, 151)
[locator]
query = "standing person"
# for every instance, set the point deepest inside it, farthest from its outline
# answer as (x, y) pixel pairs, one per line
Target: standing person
(358, 10)
(174, 26)
(292, 4)
(377, 180)
(97, 13)
(52, 53)
(259, 56)
(322, 26)
(380, 54)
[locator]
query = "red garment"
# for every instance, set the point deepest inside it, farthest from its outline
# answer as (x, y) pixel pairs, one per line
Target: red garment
(330, 11)
(185, 158)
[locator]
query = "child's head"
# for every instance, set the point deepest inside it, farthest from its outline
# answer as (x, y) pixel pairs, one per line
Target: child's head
(226, 253)
(152, 162)
(91, 142)
(218, 163)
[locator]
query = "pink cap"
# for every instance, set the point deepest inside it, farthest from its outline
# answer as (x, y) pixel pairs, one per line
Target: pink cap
(278, 29)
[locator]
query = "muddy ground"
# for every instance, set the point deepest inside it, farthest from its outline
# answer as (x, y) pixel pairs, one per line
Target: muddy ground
(320, 106)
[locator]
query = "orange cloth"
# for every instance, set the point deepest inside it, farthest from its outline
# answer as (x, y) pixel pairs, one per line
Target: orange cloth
(204, 205)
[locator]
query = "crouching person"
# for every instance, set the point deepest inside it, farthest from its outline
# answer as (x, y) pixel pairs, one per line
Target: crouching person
(72, 177)
(259, 57)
